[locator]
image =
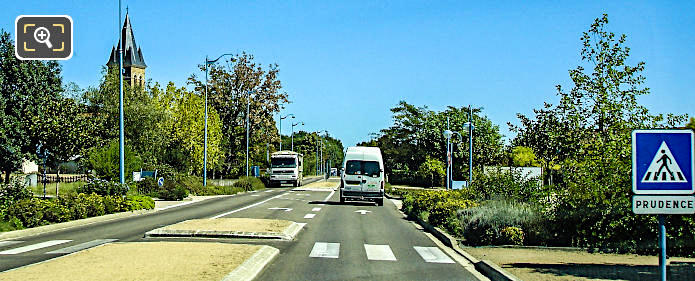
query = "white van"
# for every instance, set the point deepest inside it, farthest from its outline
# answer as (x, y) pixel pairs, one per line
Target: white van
(362, 176)
(286, 167)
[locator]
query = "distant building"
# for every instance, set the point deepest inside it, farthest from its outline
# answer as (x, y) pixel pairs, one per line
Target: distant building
(133, 62)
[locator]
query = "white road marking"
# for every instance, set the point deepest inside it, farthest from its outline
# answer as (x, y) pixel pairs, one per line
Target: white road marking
(433, 254)
(363, 211)
(82, 246)
(33, 247)
(268, 191)
(379, 252)
(325, 250)
(329, 196)
(244, 208)
(285, 209)
(255, 195)
(316, 209)
(309, 216)
(322, 204)
(8, 243)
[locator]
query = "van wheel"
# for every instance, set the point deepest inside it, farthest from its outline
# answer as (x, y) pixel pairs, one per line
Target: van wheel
(380, 202)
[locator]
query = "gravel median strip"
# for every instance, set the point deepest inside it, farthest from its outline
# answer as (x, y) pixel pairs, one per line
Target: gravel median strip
(151, 261)
(230, 228)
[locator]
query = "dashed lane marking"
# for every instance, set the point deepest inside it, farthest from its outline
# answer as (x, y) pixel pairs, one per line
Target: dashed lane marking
(309, 216)
(82, 246)
(316, 209)
(33, 247)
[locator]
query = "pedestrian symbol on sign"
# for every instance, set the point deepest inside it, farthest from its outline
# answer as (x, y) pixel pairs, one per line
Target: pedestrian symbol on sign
(663, 167)
(663, 162)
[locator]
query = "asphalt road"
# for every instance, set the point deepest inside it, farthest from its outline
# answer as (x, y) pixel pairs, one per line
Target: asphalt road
(390, 240)
(351, 241)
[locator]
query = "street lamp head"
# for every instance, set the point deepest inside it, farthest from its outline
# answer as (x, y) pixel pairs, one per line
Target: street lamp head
(468, 124)
(448, 134)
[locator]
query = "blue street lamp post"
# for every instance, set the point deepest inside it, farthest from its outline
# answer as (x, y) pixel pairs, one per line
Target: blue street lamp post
(295, 124)
(205, 144)
(121, 137)
(280, 132)
(469, 125)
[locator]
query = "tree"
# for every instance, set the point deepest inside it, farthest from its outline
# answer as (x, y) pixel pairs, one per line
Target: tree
(588, 133)
(691, 124)
(433, 170)
(523, 157)
(188, 128)
(417, 132)
(28, 93)
(229, 90)
(104, 161)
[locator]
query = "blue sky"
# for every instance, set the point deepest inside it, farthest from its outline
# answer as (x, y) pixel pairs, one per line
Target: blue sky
(345, 63)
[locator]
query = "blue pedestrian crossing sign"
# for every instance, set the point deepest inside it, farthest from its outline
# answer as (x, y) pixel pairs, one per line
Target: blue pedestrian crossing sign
(663, 162)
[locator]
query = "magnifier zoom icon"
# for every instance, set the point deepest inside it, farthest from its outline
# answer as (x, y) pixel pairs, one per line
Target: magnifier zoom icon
(42, 35)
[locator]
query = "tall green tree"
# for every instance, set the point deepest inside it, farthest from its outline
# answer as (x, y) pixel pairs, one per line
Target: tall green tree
(31, 109)
(231, 85)
(188, 128)
(588, 133)
(417, 133)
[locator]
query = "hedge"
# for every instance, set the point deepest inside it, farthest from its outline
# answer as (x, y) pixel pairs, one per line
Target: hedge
(36, 212)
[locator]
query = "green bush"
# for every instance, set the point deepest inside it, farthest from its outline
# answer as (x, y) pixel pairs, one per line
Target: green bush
(438, 207)
(36, 212)
(139, 202)
(249, 183)
(13, 192)
(28, 211)
(147, 186)
(512, 235)
(103, 188)
(171, 191)
(103, 160)
(444, 213)
(485, 224)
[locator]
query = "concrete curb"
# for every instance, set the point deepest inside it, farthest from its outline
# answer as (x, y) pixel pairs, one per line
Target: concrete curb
(288, 234)
(489, 269)
(253, 266)
(70, 224)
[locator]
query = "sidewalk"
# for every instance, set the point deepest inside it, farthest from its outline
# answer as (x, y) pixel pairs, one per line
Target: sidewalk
(532, 263)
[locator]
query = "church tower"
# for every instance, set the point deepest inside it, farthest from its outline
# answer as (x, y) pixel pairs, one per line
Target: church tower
(133, 61)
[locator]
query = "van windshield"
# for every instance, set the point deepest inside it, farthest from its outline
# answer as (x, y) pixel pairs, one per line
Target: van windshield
(283, 163)
(367, 168)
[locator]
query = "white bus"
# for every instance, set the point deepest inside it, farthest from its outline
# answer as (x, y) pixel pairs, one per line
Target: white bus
(362, 176)
(286, 167)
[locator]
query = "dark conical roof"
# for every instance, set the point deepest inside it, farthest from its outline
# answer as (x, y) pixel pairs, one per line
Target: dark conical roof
(132, 54)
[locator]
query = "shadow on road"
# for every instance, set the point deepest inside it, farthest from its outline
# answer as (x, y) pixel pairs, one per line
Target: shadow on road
(676, 271)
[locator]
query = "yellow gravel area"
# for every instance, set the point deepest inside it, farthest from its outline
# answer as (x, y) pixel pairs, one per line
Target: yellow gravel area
(141, 261)
(232, 224)
(548, 264)
(321, 184)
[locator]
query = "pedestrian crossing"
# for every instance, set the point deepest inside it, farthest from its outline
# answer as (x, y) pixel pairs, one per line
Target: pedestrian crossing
(380, 252)
(48, 244)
